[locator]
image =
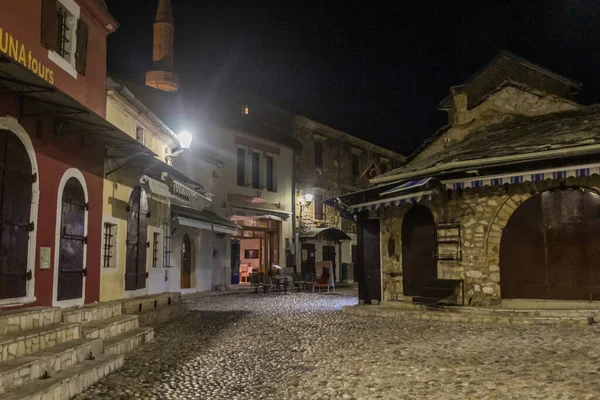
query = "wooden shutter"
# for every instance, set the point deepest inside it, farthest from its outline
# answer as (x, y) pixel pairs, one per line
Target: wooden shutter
(82, 45)
(143, 240)
(132, 240)
(50, 24)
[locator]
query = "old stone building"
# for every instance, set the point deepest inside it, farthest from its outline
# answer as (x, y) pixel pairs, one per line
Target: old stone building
(331, 163)
(498, 206)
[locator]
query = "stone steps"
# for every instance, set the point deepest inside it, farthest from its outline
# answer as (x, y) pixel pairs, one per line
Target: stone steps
(92, 312)
(29, 318)
(23, 370)
(161, 315)
(445, 315)
(24, 343)
(126, 342)
(110, 327)
(145, 303)
(69, 382)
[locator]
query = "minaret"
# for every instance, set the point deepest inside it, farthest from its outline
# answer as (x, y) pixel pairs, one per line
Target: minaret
(162, 77)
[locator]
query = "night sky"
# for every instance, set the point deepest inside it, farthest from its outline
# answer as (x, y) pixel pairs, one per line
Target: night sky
(374, 69)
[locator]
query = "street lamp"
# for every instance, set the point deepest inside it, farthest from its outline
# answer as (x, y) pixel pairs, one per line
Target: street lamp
(185, 139)
(309, 198)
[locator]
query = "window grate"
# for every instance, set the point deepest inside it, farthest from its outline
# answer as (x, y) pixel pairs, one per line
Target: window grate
(63, 33)
(109, 245)
(155, 244)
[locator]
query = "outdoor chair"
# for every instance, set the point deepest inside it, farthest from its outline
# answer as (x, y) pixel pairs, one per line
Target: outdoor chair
(255, 282)
(308, 280)
(297, 282)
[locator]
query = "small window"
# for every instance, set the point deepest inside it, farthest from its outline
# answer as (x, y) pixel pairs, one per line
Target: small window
(355, 165)
(65, 32)
(384, 167)
(318, 154)
(139, 134)
(167, 246)
(392, 247)
(318, 204)
(270, 174)
(256, 170)
(155, 249)
(245, 110)
(241, 167)
(110, 241)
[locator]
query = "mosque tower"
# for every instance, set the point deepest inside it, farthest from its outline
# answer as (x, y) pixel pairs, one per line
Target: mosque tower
(162, 77)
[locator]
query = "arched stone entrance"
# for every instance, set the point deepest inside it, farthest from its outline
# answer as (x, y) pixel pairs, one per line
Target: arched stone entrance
(550, 247)
(419, 265)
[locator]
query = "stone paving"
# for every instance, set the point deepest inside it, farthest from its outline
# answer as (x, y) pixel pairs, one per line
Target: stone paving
(300, 346)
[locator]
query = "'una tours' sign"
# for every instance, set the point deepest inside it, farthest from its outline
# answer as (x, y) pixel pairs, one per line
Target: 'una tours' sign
(19, 52)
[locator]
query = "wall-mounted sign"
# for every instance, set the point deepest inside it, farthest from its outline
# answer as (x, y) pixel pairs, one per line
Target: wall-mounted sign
(19, 52)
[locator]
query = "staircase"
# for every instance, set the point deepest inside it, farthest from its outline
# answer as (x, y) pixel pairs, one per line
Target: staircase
(49, 353)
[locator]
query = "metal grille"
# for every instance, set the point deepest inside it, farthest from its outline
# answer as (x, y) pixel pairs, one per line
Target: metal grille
(167, 246)
(155, 244)
(109, 233)
(63, 33)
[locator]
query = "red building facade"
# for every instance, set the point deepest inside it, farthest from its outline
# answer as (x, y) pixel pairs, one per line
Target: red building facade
(52, 143)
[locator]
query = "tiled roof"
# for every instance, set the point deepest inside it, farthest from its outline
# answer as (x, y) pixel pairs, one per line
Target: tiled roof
(519, 136)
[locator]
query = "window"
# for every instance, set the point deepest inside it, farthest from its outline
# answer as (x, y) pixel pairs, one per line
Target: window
(318, 154)
(318, 204)
(110, 243)
(497, 181)
(270, 174)
(256, 170)
(477, 184)
(155, 249)
(355, 165)
(245, 110)
(139, 134)
(241, 167)
(65, 35)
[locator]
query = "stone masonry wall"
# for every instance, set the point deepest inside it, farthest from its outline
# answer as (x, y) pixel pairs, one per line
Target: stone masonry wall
(483, 213)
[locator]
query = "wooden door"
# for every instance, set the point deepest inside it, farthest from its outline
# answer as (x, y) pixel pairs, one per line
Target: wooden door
(16, 181)
(329, 255)
(550, 247)
(308, 258)
(354, 262)
(419, 265)
(186, 262)
(369, 260)
(137, 240)
(72, 242)
(235, 262)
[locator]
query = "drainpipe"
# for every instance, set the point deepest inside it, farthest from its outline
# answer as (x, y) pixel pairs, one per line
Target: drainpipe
(294, 234)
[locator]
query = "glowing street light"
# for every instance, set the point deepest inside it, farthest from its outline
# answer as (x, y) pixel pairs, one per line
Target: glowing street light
(185, 139)
(309, 198)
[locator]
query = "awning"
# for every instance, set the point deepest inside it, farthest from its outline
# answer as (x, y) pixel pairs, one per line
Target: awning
(327, 234)
(152, 167)
(257, 212)
(71, 117)
(156, 187)
(406, 186)
(393, 201)
(203, 219)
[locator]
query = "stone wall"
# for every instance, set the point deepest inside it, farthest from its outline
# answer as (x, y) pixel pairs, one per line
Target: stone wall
(483, 213)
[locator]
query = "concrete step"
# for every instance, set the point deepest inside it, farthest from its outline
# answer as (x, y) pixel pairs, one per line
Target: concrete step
(19, 344)
(29, 318)
(125, 342)
(445, 315)
(92, 312)
(160, 315)
(109, 328)
(145, 303)
(23, 370)
(69, 382)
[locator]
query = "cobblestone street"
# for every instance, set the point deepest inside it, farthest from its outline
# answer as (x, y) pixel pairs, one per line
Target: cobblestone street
(300, 346)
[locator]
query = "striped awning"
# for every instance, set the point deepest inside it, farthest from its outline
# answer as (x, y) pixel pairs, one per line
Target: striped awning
(193, 223)
(183, 190)
(393, 202)
(157, 187)
(407, 185)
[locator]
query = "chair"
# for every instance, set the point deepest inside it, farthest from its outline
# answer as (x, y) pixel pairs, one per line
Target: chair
(255, 281)
(324, 276)
(309, 279)
(244, 272)
(297, 282)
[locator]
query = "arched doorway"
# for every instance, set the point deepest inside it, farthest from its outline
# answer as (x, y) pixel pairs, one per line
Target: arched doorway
(550, 247)
(137, 240)
(186, 262)
(15, 211)
(71, 270)
(419, 266)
